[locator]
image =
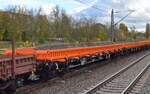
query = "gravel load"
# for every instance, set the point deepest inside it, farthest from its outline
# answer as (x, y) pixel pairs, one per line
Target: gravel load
(89, 77)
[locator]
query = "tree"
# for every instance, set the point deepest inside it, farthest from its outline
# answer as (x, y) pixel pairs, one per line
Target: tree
(31, 25)
(123, 27)
(133, 33)
(124, 30)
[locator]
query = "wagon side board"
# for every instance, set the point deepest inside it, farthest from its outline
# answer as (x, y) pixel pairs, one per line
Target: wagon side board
(24, 64)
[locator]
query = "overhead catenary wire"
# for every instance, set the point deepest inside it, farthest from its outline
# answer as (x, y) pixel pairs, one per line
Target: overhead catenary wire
(123, 17)
(97, 8)
(94, 7)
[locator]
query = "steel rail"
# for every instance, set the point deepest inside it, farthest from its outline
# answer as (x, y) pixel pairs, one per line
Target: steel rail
(137, 78)
(94, 88)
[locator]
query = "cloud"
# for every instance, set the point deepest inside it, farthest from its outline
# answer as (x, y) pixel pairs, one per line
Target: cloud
(139, 18)
(21, 3)
(116, 1)
(141, 7)
(36, 4)
(48, 8)
(79, 9)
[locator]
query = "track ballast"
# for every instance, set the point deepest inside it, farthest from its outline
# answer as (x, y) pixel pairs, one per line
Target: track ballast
(122, 81)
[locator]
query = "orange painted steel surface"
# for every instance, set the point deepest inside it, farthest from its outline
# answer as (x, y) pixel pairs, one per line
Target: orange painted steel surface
(63, 54)
(26, 51)
(74, 52)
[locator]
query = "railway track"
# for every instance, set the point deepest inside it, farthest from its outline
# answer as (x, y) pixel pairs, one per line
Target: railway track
(135, 86)
(123, 81)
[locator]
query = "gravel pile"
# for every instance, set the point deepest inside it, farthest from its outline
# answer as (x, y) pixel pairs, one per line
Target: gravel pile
(91, 76)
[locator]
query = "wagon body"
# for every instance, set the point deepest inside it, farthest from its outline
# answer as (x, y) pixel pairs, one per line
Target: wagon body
(24, 64)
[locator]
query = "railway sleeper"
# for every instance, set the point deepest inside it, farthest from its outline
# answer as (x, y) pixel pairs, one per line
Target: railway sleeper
(106, 90)
(114, 88)
(103, 92)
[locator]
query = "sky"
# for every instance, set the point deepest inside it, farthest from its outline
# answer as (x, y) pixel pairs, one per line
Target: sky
(138, 18)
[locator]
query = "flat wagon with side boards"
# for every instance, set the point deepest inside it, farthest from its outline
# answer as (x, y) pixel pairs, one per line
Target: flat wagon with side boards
(14, 72)
(31, 64)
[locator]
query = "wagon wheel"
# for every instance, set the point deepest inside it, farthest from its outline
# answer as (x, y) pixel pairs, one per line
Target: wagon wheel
(84, 60)
(3, 92)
